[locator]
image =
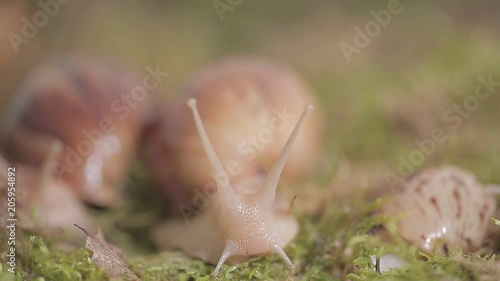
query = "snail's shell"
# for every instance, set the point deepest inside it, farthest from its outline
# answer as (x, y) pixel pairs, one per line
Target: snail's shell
(238, 100)
(61, 102)
(3, 167)
(443, 204)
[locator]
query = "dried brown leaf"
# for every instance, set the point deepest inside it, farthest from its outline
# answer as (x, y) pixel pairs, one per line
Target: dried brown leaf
(108, 257)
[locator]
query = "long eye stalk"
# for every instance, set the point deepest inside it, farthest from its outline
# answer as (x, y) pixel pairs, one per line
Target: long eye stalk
(268, 191)
(224, 187)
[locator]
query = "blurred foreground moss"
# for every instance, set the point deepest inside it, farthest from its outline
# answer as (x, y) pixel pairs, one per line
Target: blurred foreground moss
(334, 245)
(37, 260)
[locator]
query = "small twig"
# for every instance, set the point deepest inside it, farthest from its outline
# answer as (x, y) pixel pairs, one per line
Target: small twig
(377, 265)
(291, 203)
(82, 229)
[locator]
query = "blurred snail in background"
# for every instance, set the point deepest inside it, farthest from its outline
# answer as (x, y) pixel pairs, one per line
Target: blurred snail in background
(3, 166)
(56, 206)
(249, 107)
(445, 207)
(95, 110)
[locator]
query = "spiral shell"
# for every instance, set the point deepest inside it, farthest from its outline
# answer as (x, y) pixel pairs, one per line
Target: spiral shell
(90, 108)
(249, 107)
(444, 204)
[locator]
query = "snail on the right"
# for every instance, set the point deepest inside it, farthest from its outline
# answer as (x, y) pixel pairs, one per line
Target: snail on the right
(445, 207)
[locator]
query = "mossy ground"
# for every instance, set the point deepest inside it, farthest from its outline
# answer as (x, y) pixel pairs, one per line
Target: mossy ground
(333, 245)
(426, 60)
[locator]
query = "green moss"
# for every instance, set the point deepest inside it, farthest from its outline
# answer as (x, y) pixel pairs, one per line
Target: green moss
(38, 261)
(334, 244)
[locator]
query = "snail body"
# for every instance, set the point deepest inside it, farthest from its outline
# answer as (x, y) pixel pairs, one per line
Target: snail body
(85, 106)
(444, 204)
(249, 107)
(55, 205)
(246, 219)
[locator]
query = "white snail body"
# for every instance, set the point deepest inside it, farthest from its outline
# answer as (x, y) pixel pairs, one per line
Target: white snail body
(245, 220)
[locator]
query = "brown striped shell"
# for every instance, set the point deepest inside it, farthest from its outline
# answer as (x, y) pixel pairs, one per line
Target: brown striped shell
(249, 107)
(444, 204)
(81, 104)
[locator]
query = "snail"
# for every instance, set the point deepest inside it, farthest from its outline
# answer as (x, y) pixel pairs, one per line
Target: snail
(444, 204)
(249, 107)
(4, 166)
(246, 220)
(96, 110)
(54, 204)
